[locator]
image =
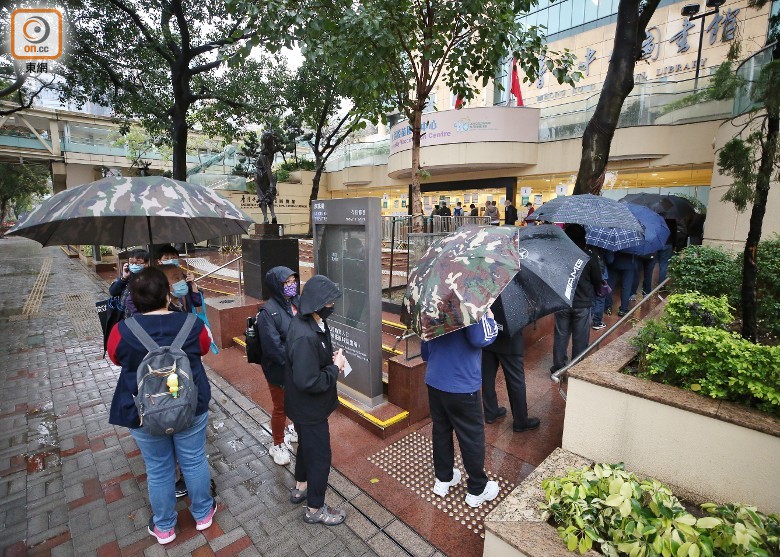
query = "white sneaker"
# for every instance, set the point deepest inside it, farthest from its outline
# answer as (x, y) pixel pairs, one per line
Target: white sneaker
(441, 488)
(290, 435)
(280, 455)
(490, 492)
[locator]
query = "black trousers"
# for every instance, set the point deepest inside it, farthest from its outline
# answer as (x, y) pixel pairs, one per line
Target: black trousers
(462, 413)
(514, 373)
(312, 464)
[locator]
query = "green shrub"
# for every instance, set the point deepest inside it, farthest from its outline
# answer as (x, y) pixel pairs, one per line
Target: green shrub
(282, 175)
(767, 285)
(692, 347)
(104, 250)
(707, 270)
(627, 517)
(301, 164)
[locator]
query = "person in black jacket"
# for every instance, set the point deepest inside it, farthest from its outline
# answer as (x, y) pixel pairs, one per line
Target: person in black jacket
(272, 324)
(508, 351)
(310, 396)
(510, 216)
(574, 322)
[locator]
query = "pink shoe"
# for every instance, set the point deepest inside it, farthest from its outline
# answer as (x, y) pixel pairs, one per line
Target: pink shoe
(162, 537)
(205, 522)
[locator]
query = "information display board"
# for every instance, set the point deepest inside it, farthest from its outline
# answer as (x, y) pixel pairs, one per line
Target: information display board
(348, 250)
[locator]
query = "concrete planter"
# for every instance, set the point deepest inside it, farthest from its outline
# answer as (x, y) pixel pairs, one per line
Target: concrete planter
(712, 450)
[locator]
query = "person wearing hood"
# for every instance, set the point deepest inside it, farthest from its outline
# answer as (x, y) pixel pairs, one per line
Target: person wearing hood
(272, 324)
(311, 375)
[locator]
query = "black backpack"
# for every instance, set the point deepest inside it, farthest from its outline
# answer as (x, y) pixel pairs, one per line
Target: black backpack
(254, 349)
(163, 409)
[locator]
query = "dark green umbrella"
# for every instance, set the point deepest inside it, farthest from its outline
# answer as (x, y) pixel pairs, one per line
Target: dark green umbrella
(123, 212)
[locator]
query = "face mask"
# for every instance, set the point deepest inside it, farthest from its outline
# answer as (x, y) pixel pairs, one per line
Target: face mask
(324, 313)
(180, 289)
(290, 290)
(135, 268)
(170, 262)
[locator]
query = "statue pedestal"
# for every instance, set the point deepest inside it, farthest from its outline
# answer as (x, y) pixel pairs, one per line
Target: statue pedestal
(268, 231)
(227, 315)
(263, 253)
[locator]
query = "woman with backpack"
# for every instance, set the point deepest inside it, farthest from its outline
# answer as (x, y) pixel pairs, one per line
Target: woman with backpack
(156, 326)
(272, 324)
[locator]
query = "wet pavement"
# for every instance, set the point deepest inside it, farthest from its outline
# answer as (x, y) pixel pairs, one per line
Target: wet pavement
(71, 484)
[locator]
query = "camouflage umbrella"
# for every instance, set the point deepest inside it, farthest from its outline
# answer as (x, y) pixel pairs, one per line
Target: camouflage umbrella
(132, 212)
(458, 279)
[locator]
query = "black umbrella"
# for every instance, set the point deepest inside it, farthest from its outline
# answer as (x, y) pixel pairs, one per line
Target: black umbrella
(668, 206)
(550, 267)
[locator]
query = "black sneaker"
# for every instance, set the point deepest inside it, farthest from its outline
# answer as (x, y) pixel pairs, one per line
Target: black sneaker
(621, 313)
(608, 311)
(501, 414)
(598, 325)
(181, 488)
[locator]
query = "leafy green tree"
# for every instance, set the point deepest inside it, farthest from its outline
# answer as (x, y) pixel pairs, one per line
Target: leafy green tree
(160, 61)
(632, 19)
(391, 54)
(317, 101)
(140, 145)
(752, 160)
(19, 184)
(247, 155)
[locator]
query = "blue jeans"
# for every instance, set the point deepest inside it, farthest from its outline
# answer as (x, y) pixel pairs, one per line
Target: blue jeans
(626, 280)
(663, 262)
(160, 459)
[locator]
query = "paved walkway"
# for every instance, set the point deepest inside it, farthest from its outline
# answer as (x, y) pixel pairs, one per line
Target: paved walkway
(71, 484)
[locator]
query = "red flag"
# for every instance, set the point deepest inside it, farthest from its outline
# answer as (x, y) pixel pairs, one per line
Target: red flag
(459, 103)
(516, 84)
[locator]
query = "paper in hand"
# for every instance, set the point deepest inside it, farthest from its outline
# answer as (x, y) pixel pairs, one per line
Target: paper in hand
(347, 367)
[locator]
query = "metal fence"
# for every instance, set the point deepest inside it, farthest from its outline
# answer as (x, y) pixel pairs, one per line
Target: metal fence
(395, 231)
(451, 224)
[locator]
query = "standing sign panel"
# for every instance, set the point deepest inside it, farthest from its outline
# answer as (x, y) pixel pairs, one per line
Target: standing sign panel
(348, 250)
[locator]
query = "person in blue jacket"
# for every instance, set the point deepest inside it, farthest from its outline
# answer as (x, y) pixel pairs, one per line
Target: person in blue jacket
(454, 379)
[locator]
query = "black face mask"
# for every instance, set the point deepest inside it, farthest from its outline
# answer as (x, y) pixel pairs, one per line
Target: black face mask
(324, 313)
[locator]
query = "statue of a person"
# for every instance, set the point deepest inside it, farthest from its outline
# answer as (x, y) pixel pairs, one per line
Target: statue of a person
(264, 177)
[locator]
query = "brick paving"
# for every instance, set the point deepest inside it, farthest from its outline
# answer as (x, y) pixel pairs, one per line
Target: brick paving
(72, 484)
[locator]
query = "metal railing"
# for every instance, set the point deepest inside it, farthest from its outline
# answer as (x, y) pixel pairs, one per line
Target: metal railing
(558, 375)
(240, 274)
(395, 230)
(451, 224)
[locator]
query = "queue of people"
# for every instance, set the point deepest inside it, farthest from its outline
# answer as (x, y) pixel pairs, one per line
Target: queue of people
(302, 369)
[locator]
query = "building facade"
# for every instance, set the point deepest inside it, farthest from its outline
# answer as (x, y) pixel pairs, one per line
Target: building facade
(493, 149)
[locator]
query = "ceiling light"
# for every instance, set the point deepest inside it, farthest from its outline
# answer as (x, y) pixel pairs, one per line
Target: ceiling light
(655, 174)
(547, 180)
(397, 190)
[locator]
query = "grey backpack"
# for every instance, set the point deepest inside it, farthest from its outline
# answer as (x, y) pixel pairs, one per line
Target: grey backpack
(162, 409)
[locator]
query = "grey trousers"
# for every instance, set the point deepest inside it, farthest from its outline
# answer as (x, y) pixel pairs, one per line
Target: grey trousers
(574, 323)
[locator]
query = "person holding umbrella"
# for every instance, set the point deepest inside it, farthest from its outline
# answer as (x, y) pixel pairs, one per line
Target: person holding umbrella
(136, 262)
(507, 350)
(575, 322)
(454, 378)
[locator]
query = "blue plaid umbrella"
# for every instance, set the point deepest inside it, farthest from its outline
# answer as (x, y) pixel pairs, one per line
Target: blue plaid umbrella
(587, 209)
(650, 240)
(612, 239)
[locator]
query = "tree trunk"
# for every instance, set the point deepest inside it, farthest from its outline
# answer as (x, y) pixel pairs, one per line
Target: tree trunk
(3, 210)
(315, 190)
(750, 265)
(619, 82)
(179, 140)
(416, 200)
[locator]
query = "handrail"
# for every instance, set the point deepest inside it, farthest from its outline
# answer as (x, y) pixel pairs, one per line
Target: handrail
(556, 377)
(211, 272)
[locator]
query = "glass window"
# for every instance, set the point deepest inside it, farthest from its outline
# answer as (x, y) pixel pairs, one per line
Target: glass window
(554, 21)
(532, 19)
(565, 17)
(543, 4)
(604, 9)
(577, 12)
(541, 18)
(591, 9)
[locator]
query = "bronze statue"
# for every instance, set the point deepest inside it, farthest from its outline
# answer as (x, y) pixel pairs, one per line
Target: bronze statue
(264, 177)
